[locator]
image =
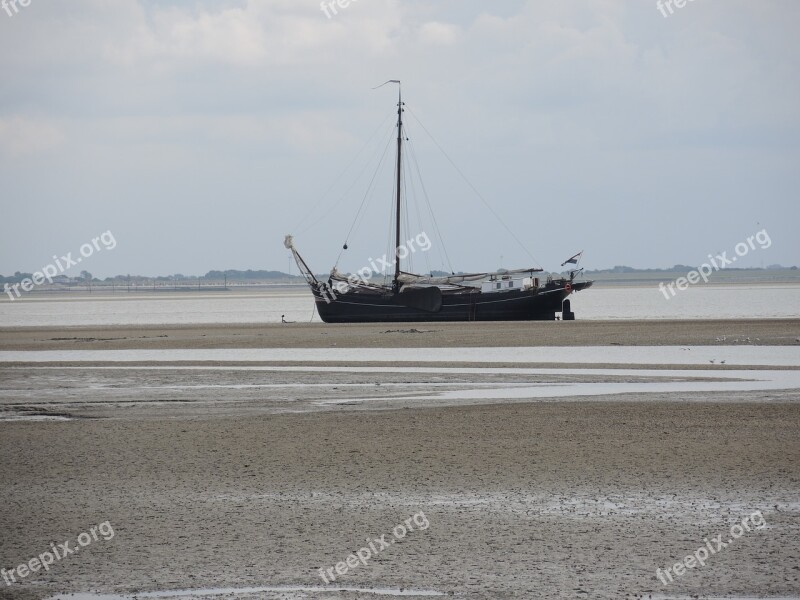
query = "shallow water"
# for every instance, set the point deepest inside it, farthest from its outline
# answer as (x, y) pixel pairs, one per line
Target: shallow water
(138, 308)
(728, 381)
(38, 389)
(42, 391)
(641, 355)
(206, 592)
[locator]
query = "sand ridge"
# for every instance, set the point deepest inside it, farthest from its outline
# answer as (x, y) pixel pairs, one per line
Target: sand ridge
(410, 335)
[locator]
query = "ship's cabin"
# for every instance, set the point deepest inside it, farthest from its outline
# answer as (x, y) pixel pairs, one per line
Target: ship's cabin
(505, 283)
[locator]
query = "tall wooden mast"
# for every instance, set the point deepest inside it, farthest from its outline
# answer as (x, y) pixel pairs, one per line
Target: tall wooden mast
(396, 282)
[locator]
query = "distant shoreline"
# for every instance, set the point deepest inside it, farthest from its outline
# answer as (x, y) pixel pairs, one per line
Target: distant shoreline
(108, 290)
(237, 278)
(629, 279)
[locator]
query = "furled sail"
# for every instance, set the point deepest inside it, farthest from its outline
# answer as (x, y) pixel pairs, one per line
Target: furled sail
(461, 278)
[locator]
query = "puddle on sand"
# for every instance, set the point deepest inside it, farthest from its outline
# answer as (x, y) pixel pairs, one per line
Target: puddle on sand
(206, 592)
(643, 355)
(736, 381)
(724, 381)
(23, 417)
(637, 384)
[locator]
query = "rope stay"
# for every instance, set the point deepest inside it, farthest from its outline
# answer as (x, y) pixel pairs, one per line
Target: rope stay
(474, 189)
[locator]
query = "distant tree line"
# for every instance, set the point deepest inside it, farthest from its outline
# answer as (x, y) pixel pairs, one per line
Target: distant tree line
(231, 275)
(683, 269)
(234, 275)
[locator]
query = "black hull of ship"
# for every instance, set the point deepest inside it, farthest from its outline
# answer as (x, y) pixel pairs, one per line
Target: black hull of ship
(513, 305)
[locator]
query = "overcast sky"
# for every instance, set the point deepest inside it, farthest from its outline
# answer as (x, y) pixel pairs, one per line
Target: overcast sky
(199, 133)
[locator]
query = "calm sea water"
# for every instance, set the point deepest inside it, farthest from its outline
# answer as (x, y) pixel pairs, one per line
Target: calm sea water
(645, 302)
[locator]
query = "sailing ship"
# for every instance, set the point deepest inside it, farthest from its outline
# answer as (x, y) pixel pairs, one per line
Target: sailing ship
(503, 295)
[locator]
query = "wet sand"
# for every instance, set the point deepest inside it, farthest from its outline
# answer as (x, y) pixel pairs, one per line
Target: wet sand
(564, 498)
(763, 332)
(533, 500)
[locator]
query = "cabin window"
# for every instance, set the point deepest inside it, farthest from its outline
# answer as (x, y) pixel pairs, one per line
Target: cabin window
(510, 284)
(498, 285)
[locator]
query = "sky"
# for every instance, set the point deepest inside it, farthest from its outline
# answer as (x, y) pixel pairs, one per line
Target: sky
(199, 133)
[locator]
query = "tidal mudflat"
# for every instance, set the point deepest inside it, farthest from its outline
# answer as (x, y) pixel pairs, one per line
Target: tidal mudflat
(242, 473)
